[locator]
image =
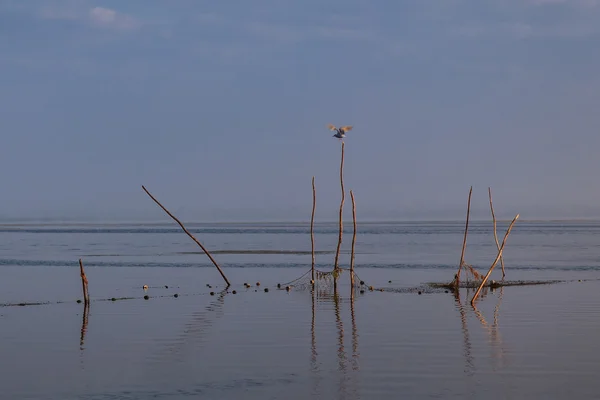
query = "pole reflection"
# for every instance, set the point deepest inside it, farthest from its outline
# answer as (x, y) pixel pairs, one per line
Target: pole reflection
(347, 367)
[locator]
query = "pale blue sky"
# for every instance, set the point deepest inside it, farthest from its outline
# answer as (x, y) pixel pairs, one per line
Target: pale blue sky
(220, 108)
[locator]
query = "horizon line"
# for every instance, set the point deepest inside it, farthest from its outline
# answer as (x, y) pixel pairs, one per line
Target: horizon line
(33, 222)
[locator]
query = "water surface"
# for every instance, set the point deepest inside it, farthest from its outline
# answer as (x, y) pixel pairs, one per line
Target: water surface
(520, 342)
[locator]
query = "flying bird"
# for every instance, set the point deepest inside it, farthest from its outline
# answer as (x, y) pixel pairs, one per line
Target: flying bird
(341, 131)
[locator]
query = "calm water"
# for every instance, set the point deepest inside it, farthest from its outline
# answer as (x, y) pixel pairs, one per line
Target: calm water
(520, 342)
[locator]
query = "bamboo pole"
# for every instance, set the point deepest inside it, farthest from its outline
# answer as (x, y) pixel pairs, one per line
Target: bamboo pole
(189, 234)
(312, 231)
(495, 261)
(464, 245)
(495, 233)
(339, 245)
(353, 240)
(84, 284)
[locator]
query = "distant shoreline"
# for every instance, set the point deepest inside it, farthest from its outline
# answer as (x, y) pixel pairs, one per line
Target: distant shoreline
(281, 223)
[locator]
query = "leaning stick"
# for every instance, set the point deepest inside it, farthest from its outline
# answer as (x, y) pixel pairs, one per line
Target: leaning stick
(495, 261)
(312, 232)
(189, 234)
(464, 245)
(353, 239)
(339, 245)
(495, 233)
(84, 284)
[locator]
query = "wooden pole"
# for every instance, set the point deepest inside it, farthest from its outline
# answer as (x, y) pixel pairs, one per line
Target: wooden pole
(84, 283)
(189, 234)
(339, 245)
(353, 240)
(495, 233)
(464, 245)
(312, 231)
(495, 261)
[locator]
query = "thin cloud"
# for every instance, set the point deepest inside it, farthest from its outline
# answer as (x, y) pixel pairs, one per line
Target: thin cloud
(99, 17)
(108, 18)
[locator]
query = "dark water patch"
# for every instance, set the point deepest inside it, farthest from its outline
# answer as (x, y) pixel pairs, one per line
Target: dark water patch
(110, 299)
(327, 229)
(203, 264)
(494, 284)
(422, 289)
(447, 287)
(24, 304)
(214, 389)
(249, 252)
(293, 252)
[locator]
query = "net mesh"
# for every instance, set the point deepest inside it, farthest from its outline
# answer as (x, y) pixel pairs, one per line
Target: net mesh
(324, 280)
(471, 277)
(471, 272)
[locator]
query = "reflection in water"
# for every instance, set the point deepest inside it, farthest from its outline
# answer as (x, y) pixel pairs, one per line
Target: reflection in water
(341, 353)
(348, 378)
(355, 353)
(196, 329)
(314, 366)
(469, 367)
(84, 324)
(495, 338)
(340, 329)
(313, 342)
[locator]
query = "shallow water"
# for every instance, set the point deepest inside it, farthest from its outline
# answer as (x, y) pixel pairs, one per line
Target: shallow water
(520, 342)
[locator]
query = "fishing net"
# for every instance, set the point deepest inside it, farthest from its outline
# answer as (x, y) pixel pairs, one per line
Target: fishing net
(470, 275)
(324, 280)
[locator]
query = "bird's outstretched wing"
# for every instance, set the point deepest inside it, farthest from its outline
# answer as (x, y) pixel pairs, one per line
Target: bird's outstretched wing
(331, 127)
(346, 128)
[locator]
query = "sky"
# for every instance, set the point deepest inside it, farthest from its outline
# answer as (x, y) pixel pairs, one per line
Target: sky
(221, 108)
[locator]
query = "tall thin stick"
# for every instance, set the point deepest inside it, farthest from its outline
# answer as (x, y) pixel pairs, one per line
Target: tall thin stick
(339, 245)
(464, 245)
(84, 284)
(353, 239)
(312, 231)
(495, 261)
(189, 234)
(495, 233)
